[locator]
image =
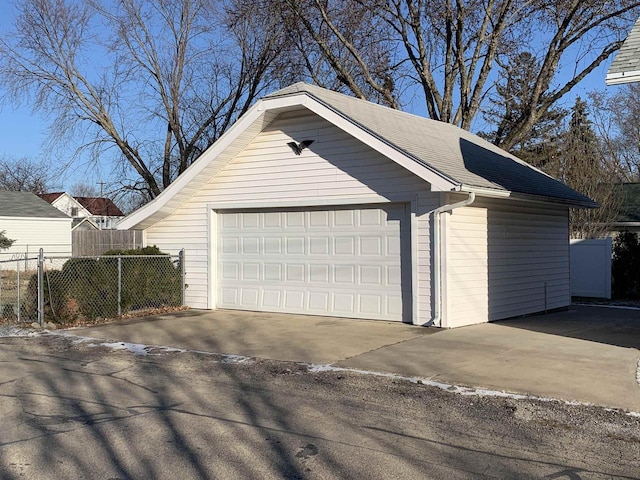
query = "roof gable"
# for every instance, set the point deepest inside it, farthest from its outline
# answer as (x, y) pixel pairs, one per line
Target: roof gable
(447, 157)
(27, 204)
(625, 67)
(454, 153)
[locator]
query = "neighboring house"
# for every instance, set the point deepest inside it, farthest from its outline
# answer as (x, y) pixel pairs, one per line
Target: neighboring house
(319, 203)
(33, 224)
(629, 216)
(625, 67)
(102, 213)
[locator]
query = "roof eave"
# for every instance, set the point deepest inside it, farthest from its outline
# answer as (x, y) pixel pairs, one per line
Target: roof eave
(525, 197)
(161, 206)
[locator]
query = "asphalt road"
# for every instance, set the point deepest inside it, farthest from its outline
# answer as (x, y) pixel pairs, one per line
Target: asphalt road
(76, 411)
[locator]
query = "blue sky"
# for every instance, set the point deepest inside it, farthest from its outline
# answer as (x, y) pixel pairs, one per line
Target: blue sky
(23, 133)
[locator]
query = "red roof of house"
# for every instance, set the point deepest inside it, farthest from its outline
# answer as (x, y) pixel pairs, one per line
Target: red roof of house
(95, 205)
(50, 197)
(100, 206)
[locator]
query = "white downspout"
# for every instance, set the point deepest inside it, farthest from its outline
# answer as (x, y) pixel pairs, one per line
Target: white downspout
(437, 254)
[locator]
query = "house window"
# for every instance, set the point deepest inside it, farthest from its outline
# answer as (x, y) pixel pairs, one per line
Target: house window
(74, 211)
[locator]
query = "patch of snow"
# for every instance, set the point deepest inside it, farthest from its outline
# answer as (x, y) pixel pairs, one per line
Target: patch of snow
(314, 368)
(135, 348)
(141, 349)
(235, 359)
(638, 373)
(458, 389)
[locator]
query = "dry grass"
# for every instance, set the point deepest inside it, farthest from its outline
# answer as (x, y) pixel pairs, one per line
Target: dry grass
(101, 321)
(13, 288)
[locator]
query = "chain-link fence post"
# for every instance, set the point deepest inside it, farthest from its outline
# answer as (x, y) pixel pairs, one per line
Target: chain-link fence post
(119, 286)
(182, 275)
(40, 287)
(18, 285)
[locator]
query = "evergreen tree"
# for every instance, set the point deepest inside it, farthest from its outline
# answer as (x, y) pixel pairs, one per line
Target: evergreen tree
(581, 165)
(512, 102)
(4, 241)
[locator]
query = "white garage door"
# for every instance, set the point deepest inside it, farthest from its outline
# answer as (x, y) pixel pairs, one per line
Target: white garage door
(347, 262)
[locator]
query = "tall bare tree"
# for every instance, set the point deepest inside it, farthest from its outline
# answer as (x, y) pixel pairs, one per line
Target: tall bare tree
(150, 84)
(447, 52)
(24, 175)
(617, 122)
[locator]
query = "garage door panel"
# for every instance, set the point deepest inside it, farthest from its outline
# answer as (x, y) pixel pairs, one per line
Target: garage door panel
(230, 271)
(273, 220)
(344, 246)
(273, 245)
(345, 274)
(251, 271)
(295, 219)
(319, 301)
(370, 304)
(249, 297)
(341, 262)
(319, 273)
(273, 272)
(394, 306)
(272, 298)
(294, 299)
(295, 245)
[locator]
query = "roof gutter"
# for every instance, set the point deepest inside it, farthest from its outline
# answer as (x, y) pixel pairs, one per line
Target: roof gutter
(437, 253)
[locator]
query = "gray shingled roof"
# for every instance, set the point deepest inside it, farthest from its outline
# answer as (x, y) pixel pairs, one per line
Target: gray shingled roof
(26, 204)
(626, 65)
(456, 154)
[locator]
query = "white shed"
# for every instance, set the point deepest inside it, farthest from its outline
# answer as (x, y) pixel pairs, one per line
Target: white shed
(319, 203)
(33, 224)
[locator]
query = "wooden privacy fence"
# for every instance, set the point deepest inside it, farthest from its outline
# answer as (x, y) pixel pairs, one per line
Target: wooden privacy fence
(91, 243)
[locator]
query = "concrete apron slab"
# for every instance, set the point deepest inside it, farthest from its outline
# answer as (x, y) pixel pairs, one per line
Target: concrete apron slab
(297, 338)
(586, 354)
(555, 356)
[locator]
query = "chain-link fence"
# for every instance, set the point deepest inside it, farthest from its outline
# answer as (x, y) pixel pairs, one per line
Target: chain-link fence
(15, 294)
(67, 290)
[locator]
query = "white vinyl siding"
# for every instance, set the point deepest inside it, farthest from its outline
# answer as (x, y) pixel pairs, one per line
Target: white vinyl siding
(466, 267)
(53, 235)
(336, 169)
(506, 259)
(529, 260)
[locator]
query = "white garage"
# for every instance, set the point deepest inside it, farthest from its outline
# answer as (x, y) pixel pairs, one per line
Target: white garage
(33, 224)
(319, 203)
(341, 261)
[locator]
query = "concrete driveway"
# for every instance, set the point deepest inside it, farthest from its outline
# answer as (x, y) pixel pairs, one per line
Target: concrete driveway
(587, 354)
